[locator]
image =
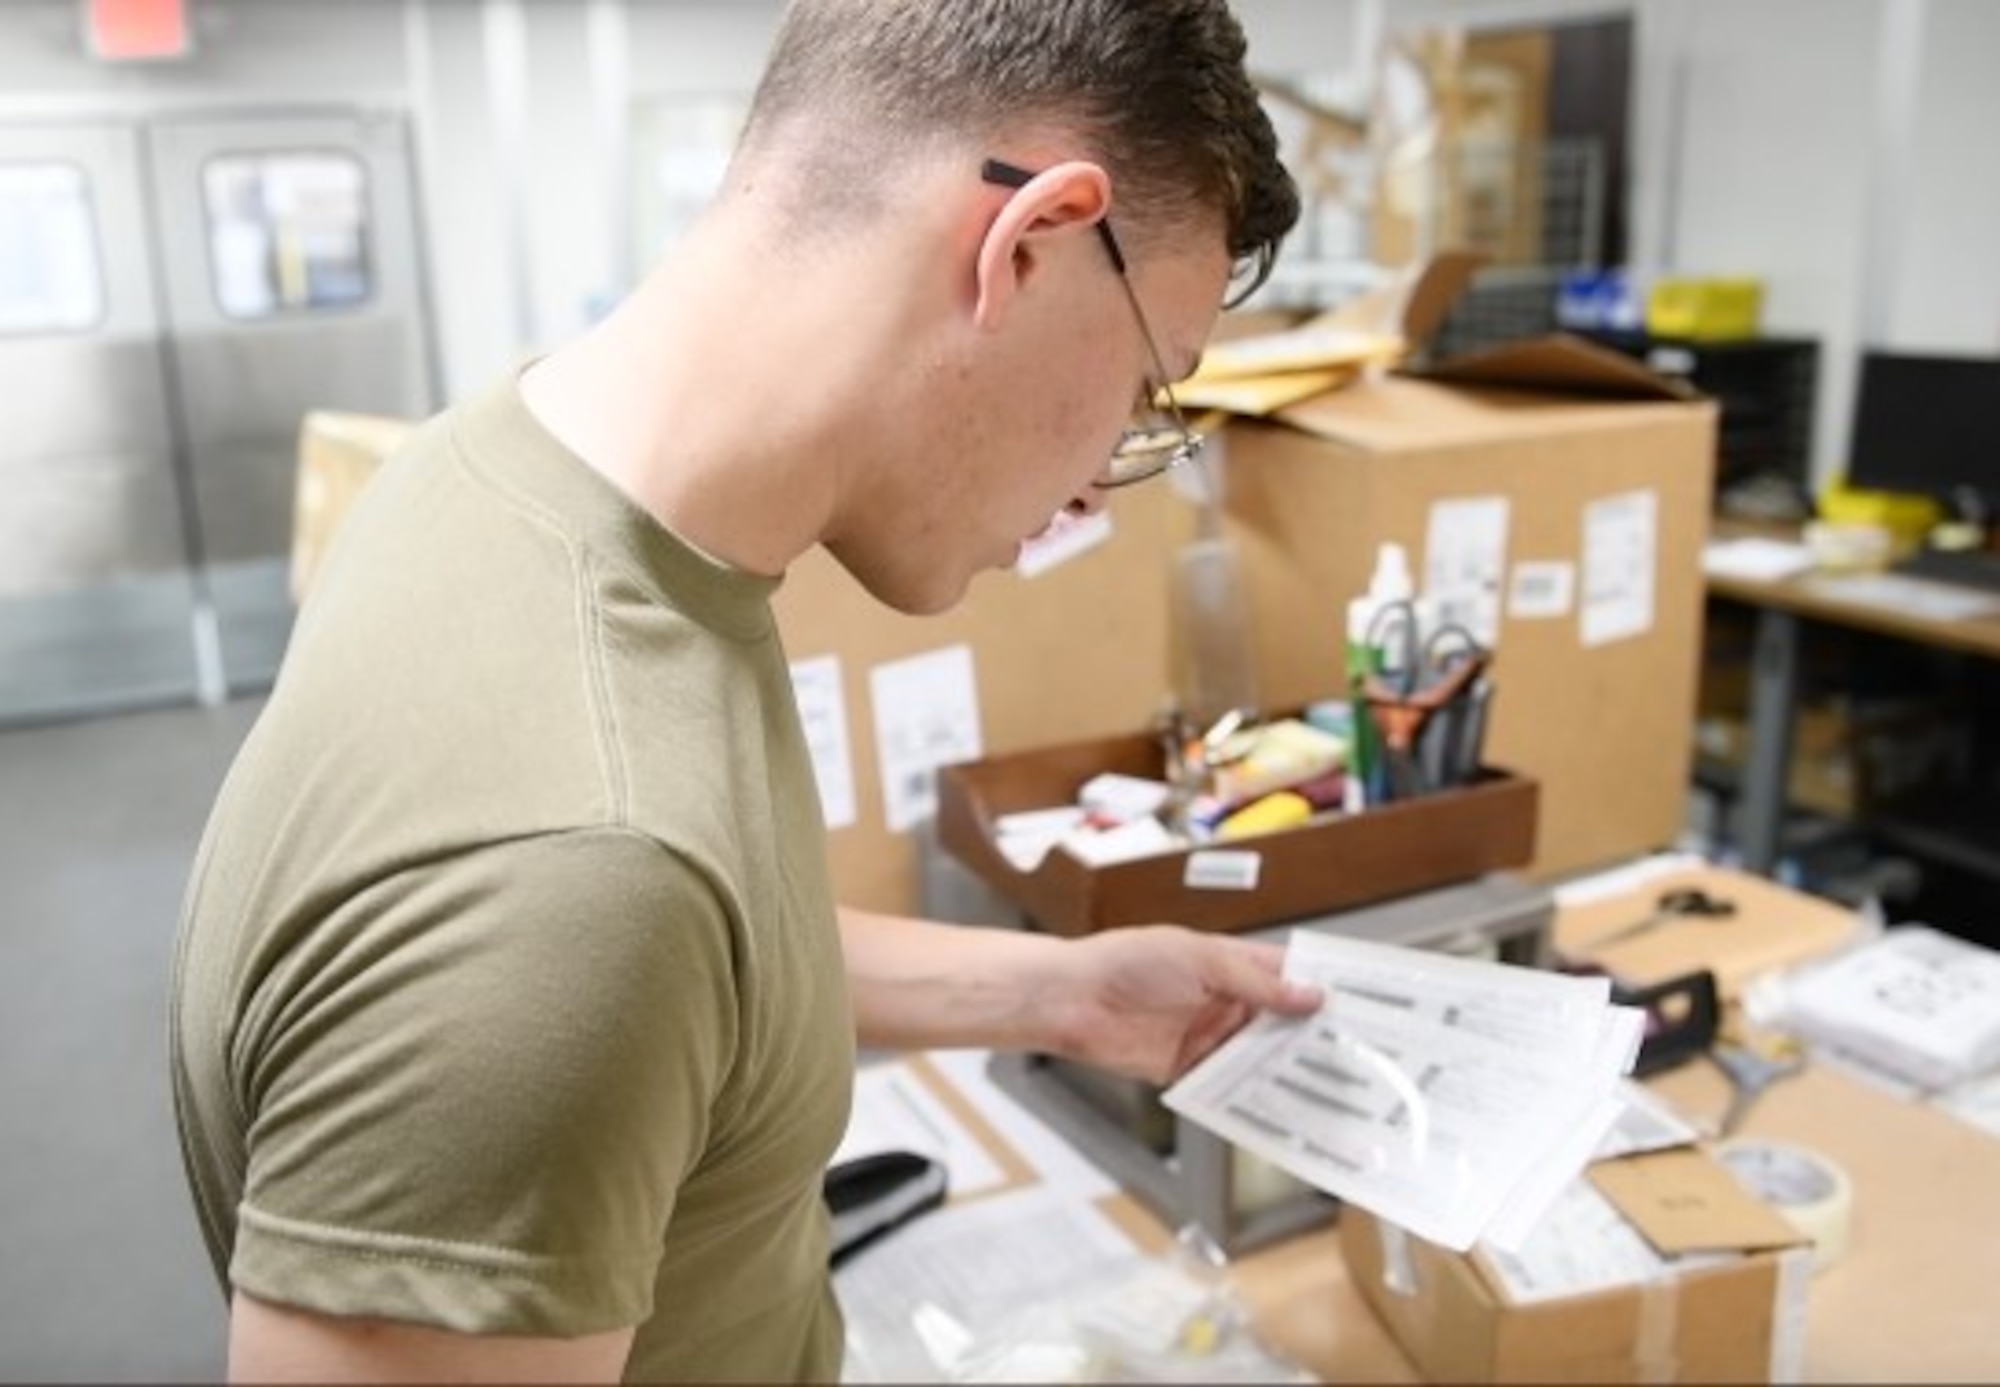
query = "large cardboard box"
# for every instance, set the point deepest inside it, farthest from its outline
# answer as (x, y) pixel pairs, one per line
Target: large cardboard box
(1558, 496)
(339, 454)
(1722, 1300)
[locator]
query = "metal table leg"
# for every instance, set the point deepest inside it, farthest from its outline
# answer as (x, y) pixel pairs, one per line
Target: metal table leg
(1767, 768)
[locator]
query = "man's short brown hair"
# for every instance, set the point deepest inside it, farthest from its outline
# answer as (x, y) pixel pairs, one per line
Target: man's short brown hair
(1155, 90)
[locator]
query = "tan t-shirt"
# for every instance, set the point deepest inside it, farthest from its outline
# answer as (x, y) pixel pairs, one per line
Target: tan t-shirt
(509, 997)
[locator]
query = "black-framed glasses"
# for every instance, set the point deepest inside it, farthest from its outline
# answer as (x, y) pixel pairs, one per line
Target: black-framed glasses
(1158, 437)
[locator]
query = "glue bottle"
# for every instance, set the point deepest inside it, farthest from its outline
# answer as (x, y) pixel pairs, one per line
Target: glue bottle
(1389, 585)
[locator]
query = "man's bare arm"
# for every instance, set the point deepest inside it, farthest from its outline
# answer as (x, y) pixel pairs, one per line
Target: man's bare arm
(275, 1343)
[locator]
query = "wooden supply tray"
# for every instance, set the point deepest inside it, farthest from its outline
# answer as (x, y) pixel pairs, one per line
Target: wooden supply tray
(1313, 869)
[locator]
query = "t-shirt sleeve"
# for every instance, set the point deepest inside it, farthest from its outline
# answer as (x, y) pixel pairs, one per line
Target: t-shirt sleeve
(476, 1086)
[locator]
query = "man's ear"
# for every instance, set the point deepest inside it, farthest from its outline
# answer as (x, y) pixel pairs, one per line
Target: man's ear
(1063, 200)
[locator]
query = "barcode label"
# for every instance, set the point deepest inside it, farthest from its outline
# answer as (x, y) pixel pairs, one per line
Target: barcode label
(1222, 871)
(1541, 590)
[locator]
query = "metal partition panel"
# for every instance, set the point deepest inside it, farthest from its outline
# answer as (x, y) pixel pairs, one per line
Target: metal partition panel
(290, 260)
(97, 598)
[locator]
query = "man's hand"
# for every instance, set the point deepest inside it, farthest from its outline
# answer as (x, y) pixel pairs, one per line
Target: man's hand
(1152, 1002)
(1146, 1002)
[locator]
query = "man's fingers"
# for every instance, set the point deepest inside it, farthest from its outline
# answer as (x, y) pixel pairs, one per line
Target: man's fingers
(1252, 971)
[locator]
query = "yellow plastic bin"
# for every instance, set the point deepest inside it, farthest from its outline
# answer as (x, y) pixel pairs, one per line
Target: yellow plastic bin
(1705, 310)
(1907, 518)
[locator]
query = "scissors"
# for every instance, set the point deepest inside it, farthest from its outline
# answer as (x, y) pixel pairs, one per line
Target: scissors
(1684, 902)
(1419, 678)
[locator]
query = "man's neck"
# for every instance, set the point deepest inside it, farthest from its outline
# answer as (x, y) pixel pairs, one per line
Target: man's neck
(680, 399)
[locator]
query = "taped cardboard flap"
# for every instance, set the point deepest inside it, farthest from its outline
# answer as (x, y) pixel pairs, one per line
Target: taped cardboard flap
(1563, 364)
(1681, 1200)
(1258, 373)
(1438, 287)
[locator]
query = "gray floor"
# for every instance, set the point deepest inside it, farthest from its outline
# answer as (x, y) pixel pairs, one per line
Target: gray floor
(102, 1274)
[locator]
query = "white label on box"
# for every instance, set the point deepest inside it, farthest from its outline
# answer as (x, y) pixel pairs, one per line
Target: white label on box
(926, 716)
(1465, 563)
(823, 716)
(1541, 590)
(1620, 555)
(1222, 871)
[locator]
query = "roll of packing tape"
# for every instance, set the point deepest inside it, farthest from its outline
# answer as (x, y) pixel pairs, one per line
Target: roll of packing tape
(1812, 1193)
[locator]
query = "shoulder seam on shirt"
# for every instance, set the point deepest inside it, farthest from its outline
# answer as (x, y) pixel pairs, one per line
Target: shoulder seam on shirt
(610, 746)
(590, 612)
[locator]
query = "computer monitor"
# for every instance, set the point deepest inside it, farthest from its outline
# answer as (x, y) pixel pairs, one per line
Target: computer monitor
(1929, 424)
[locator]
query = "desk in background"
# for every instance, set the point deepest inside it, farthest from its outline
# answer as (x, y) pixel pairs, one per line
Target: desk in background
(1782, 606)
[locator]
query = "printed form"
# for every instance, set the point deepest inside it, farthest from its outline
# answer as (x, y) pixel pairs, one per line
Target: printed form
(1453, 1097)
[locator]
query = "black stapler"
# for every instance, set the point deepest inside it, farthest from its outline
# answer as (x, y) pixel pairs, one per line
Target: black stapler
(871, 1195)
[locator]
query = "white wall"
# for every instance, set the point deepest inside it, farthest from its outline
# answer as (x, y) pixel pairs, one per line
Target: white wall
(243, 50)
(1775, 113)
(1946, 294)
(1790, 156)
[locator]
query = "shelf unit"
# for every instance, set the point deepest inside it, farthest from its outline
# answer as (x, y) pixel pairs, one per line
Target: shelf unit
(1765, 387)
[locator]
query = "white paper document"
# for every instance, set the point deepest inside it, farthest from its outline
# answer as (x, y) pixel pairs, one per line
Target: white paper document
(1584, 1245)
(823, 717)
(926, 716)
(917, 1303)
(1755, 557)
(894, 1110)
(1465, 558)
(1450, 1096)
(1620, 559)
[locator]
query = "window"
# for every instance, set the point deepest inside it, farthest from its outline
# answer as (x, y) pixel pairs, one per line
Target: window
(287, 232)
(50, 276)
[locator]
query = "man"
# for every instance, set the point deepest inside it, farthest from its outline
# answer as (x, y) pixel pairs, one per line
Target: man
(510, 1032)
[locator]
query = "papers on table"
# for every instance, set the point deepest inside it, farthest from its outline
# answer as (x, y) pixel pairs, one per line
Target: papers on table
(1914, 1004)
(1754, 557)
(1455, 1098)
(895, 1110)
(1645, 1123)
(918, 1304)
(1585, 1244)
(1976, 1101)
(1911, 596)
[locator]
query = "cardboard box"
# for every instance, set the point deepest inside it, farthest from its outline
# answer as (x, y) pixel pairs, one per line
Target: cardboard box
(338, 454)
(1598, 474)
(1313, 869)
(1081, 650)
(1738, 1318)
(1852, 757)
